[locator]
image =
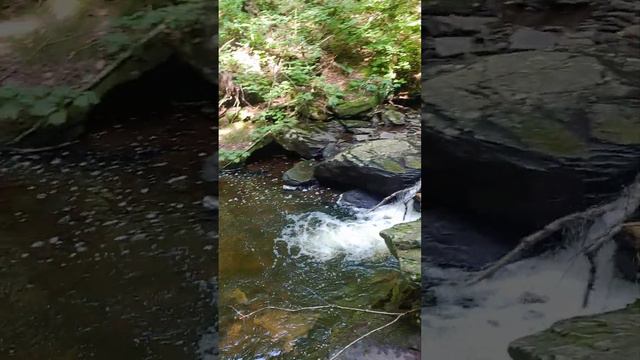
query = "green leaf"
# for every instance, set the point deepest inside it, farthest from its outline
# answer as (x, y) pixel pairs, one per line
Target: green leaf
(10, 110)
(58, 118)
(42, 108)
(85, 100)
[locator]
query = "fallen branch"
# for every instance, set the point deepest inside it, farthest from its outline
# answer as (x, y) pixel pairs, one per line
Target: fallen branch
(398, 316)
(397, 194)
(38, 150)
(621, 208)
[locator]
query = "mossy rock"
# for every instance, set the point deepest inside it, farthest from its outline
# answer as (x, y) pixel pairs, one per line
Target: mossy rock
(608, 336)
(355, 107)
(404, 242)
(301, 174)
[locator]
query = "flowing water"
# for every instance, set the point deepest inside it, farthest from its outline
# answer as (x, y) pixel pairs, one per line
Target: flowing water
(105, 250)
(478, 322)
(300, 248)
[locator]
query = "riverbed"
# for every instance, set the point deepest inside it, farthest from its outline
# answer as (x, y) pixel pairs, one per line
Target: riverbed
(105, 249)
(295, 249)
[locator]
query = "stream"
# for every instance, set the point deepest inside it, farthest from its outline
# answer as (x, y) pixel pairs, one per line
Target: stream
(106, 251)
(301, 248)
(478, 322)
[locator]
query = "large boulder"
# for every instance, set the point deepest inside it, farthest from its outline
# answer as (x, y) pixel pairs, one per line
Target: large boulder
(403, 241)
(609, 336)
(380, 167)
(531, 136)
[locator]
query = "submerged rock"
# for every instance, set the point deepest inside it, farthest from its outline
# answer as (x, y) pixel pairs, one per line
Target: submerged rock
(609, 336)
(301, 174)
(404, 242)
(210, 168)
(380, 167)
(360, 199)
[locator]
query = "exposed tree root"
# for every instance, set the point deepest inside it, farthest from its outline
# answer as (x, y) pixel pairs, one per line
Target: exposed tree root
(606, 220)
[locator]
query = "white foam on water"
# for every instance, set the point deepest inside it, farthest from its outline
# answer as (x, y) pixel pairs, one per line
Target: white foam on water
(524, 298)
(323, 236)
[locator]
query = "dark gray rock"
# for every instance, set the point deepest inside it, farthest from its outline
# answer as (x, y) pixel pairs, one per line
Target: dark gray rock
(627, 255)
(531, 136)
(359, 199)
(530, 39)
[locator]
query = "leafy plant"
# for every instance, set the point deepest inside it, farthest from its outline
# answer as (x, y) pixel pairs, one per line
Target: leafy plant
(41, 102)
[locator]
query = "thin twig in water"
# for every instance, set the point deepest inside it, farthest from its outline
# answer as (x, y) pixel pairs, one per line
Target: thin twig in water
(37, 150)
(369, 333)
(318, 307)
(398, 315)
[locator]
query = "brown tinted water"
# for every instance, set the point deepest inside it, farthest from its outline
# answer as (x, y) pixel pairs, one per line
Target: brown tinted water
(105, 249)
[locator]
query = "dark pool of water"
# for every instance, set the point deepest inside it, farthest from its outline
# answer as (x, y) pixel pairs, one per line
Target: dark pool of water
(256, 270)
(105, 249)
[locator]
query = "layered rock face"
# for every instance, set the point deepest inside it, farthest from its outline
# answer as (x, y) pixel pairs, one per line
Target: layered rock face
(530, 110)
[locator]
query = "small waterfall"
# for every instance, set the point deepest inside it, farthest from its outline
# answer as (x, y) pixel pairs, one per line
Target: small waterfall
(478, 322)
(323, 236)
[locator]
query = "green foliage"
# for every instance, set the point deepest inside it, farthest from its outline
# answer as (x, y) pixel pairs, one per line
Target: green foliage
(273, 121)
(228, 157)
(42, 102)
(174, 17)
(278, 56)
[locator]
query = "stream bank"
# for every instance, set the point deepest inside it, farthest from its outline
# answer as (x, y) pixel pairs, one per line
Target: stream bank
(107, 249)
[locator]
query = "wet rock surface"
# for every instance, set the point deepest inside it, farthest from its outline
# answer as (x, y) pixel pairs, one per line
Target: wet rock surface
(104, 255)
(608, 336)
(546, 93)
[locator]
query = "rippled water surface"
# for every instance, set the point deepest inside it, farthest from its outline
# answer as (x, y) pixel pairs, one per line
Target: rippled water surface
(298, 248)
(105, 249)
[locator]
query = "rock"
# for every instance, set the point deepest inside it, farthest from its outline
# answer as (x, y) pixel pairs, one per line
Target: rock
(355, 107)
(380, 166)
(457, 25)
(359, 199)
(417, 202)
(210, 168)
(609, 336)
(393, 117)
(532, 135)
(453, 241)
(301, 174)
(529, 39)
(627, 256)
(353, 124)
(307, 140)
(404, 242)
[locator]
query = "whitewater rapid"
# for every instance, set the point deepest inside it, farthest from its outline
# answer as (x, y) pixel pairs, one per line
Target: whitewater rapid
(323, 236)
(478, 322)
